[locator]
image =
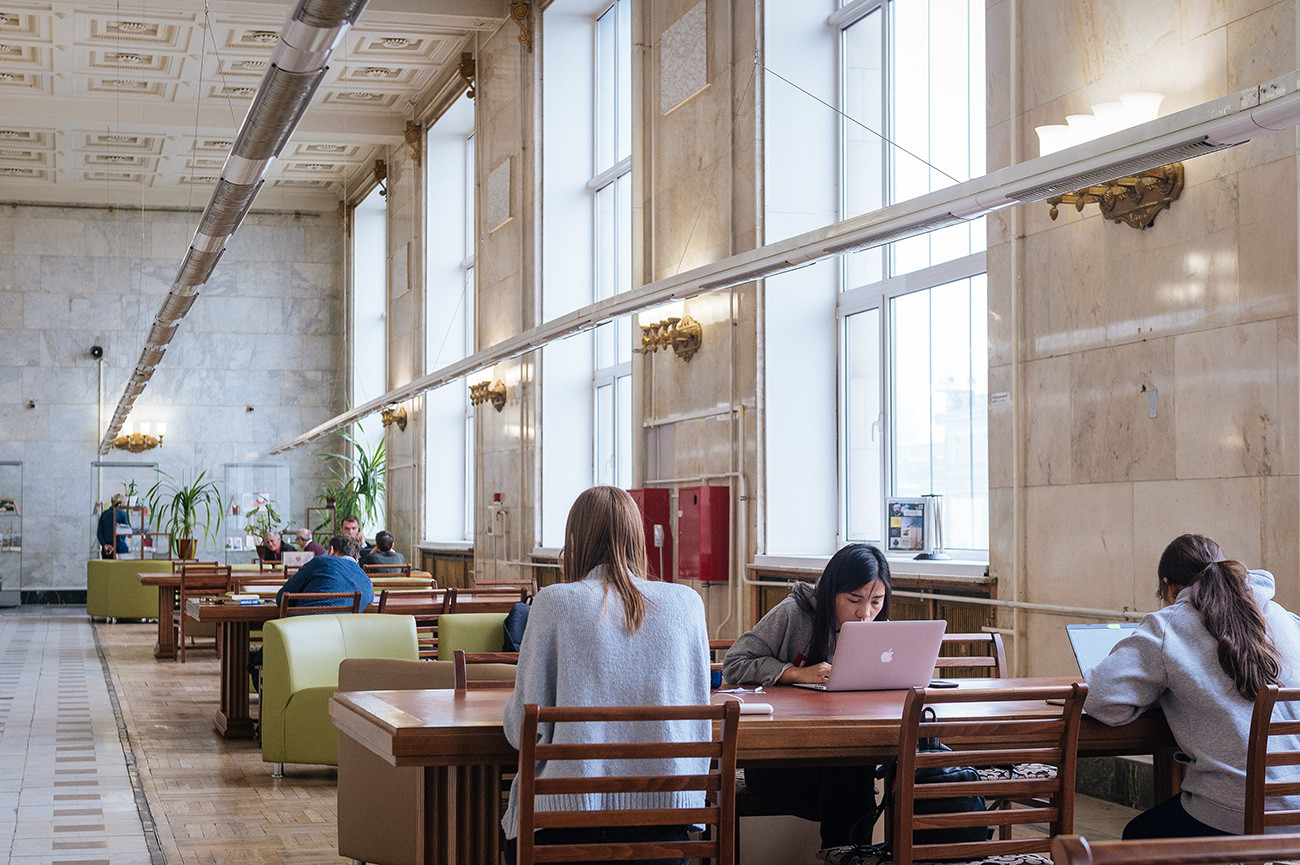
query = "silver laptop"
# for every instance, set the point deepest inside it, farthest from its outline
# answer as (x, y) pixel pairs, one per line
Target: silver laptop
(296, 560)
(883, 656)
(1092, 643)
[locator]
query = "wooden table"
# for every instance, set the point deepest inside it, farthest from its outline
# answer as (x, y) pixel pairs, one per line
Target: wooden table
(169, 587)
(457, 738)
(234, 620)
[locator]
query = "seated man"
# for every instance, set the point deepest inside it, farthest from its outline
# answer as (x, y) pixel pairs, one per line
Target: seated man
(337, 571)
(307, 544)
(275, 546)
(111, 544)
(352, 526)
(382, 553)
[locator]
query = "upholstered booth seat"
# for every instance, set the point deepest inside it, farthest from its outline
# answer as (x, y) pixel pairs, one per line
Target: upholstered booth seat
(113, 589)
(300, 672)
(470, 632)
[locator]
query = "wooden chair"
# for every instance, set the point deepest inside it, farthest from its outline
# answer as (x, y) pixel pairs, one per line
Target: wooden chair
(402, 570)
(425, 605)
(289, 603)
(718, 783)
(486, 600)
(197, 581)
(266, 566)
(529, 585)
(1076, 850)
(496, 678)
(718, 651)
(1043, 735)
(1259, 758)
(980, 651)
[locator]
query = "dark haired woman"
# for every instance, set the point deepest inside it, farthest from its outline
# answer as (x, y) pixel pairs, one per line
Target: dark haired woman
(1217, 641)
(795, 642)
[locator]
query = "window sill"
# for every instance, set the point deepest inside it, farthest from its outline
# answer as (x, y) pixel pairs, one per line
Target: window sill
(446, 546)
(963, 570)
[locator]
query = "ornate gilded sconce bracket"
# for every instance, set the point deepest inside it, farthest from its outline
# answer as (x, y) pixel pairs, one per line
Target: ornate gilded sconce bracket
(137, 442)
(468, 72)
(381, 175)
(414, 137)
(683, 335)
(493, 392)
(521, 12)
(394, 414)
(1134, 201)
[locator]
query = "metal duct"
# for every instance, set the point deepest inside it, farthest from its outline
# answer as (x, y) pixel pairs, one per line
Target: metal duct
(226, 210)
(150, 357)
(328, 13)
(282, 95)
(175, 306)
(161, 333)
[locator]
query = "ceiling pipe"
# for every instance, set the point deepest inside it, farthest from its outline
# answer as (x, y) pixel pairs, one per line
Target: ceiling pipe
(298, 65)
(1205, 128)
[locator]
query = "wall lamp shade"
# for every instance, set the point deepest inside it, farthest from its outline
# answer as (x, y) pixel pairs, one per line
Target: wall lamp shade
(493, 392)
(394, 414)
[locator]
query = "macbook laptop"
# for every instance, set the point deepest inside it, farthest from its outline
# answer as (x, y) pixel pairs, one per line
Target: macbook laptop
(296, 560)
(1092, 643)
(883, 656)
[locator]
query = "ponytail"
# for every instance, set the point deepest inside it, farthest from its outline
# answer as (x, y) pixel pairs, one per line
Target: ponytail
(1220, 591)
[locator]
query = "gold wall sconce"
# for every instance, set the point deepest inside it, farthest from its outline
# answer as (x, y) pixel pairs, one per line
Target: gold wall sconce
(493, 392)
(682, 334)
(1136, 200)
(393, 414)
(138, 441)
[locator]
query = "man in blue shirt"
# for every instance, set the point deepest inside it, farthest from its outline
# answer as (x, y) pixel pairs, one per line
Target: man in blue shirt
(337, 571)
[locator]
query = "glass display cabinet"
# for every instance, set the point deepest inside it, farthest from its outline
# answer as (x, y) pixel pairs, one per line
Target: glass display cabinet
(130, 480)
(257, 501)
(11, 533)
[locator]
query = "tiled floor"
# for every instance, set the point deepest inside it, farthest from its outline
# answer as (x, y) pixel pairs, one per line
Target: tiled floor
(66, 793)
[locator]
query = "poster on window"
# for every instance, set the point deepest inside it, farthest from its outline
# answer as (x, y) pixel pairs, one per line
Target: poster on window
(906, 524)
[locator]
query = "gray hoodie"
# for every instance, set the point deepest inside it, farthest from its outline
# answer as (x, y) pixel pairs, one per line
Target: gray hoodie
(1172, 661)
(779, 641)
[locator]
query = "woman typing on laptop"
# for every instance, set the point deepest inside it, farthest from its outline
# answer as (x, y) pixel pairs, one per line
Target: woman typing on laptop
(1219, 639)
(795, 642)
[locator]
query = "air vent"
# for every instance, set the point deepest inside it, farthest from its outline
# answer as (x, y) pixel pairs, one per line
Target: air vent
(1076, 182)
(377, 72)
(389, 42)
(360, 96)
(263, 37)
(130, 59)
(135, 28)
(242, 92)
(251, 65)
(8, 20)
(10, 50)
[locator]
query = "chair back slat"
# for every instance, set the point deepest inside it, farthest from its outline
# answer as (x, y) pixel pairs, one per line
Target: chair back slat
(425, 605)
(402, 570)
(1007, 737)
(290, 606)
(493, 678)
(485, 600)
(718, 784)
(1075, 850)
(1275, 715)
(975, 651)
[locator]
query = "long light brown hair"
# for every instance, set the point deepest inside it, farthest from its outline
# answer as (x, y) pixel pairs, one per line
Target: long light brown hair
(1220, 590)
(604, 529)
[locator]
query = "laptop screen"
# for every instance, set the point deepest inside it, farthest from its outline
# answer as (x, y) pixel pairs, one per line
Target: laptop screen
(1092, 643)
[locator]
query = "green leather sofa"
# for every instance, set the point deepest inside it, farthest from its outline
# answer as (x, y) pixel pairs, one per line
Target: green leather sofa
(470, 632)
(300, 672)
(113, 589)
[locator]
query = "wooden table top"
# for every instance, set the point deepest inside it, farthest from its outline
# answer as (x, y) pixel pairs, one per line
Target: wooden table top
(447, 727)
(173, 580)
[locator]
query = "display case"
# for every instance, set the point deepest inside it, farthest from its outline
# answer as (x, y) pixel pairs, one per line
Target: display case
(128, 480)
(11, 533)
(257, 497)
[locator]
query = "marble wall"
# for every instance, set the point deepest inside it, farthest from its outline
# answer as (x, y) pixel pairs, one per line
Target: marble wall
(265, 333)
(1152, 373)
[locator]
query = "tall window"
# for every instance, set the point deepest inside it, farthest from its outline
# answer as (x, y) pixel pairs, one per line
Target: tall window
(586, 248)
(907, 388)
(369, 310)
(449, 324)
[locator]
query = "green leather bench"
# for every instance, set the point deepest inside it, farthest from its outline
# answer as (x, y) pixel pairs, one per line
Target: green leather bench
(113, 589)
(300, 672)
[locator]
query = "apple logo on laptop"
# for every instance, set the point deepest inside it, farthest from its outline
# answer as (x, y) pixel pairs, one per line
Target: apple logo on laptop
(886, 656)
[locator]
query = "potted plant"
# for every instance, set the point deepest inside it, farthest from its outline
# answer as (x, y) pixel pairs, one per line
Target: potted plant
(358, 483)
(261, 520)
(177, 505)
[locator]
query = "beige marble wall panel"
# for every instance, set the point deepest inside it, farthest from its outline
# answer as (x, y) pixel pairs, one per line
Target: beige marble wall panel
(1288, 398)
(1047, 422)
(1114, 438)
(1267, 244)
(1002, 448)
(1229, 510)
(1063, 295)
(1226, 393)
(1080, 552)
(1203, 16)
(997, 90)
(1279, 540)
(1001, 293)
(1052, 655)
(1261, 46)
(1002, 537)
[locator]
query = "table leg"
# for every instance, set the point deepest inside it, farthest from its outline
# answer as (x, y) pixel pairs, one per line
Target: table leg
(166, 645)
(232, 720)
(462, 815)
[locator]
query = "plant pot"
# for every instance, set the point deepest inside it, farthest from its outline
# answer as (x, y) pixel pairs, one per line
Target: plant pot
(186, 547)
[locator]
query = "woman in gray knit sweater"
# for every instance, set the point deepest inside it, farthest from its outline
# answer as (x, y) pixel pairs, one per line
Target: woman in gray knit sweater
(795, 642)
(1219, 639)
(607, 636)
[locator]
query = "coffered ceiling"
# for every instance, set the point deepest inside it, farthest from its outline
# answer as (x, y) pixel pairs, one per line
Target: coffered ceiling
(137, 103)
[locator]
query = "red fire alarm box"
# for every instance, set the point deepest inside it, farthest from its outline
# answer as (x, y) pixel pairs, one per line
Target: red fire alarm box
(656, 518)
(703, 523)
